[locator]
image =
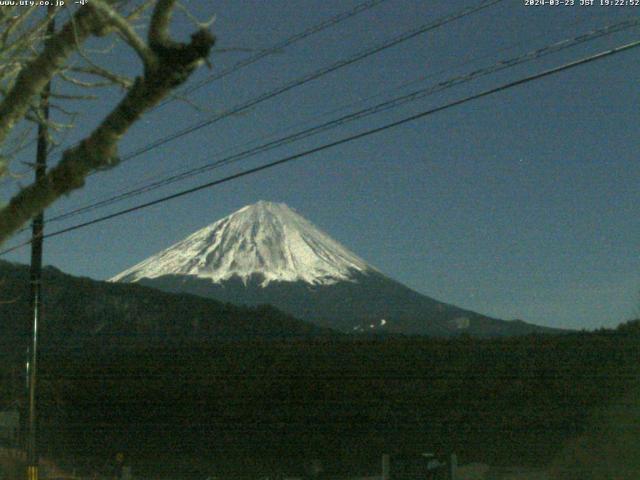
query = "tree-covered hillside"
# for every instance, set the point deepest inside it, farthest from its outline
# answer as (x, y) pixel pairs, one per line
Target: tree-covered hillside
(80, 312)
(187, 386)
(267, 406)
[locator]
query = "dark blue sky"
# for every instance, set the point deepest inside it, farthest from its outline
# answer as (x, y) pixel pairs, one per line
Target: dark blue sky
(519, 205)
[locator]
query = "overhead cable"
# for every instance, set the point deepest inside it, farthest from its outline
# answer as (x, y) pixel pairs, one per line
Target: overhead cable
(384, 106)
(351, 138)
(278, 47)
(405, 36)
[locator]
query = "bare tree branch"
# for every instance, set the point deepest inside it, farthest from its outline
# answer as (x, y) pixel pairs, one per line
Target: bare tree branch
(173, 64)
(15, 23)
(33, 77)
(21, 40)
(127, 32)
(199, 24)
(159, 27)
(64, 111)
(98, 71)
(137, 12)
(81, 83)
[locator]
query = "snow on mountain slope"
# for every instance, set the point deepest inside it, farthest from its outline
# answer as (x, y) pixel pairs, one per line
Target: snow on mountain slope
(266, 239)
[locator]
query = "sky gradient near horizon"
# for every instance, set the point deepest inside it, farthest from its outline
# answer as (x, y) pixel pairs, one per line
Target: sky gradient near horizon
(521, 205)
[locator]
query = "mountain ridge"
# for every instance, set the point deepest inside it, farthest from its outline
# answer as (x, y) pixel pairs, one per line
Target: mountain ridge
(371, 304)
(266, 238)
(267, 253)
(79, 312)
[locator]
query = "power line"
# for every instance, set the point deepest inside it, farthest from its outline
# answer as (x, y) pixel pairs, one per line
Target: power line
(312, 76)
(279, 46)
(143, 186)
(276, 48)
(384, 106)
(445, 70)
(348, 139)
(407, 35)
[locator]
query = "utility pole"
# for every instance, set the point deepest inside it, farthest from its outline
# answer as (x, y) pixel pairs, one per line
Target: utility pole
(36, 271)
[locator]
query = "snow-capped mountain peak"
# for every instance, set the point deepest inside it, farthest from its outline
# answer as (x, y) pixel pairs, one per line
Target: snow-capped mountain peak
(268, 240)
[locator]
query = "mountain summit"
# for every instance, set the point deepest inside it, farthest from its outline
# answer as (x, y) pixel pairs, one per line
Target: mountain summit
(269, 241)
(267, 253)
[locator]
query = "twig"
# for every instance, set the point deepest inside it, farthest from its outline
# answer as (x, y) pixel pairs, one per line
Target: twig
(125, 29)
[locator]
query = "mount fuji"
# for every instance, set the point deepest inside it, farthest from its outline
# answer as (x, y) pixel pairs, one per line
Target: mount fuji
(267, 253)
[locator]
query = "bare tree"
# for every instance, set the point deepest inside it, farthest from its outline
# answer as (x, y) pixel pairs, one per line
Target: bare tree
(30, 59)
